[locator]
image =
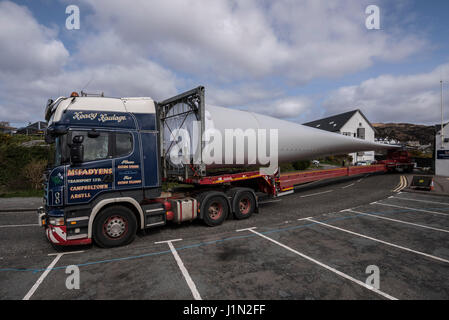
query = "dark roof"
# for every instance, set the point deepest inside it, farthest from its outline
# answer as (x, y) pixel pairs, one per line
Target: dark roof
(438, 127)
(33, 127)
(40, 125)
(336, 122)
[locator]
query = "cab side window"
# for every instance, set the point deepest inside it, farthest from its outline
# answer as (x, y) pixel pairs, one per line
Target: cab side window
(123, 144)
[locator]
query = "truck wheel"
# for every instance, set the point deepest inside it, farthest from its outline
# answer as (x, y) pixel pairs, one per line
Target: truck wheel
(244, 205)
(114, 226)
(215, 211)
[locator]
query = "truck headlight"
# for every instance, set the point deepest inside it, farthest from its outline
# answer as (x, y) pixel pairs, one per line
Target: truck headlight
(56, 221)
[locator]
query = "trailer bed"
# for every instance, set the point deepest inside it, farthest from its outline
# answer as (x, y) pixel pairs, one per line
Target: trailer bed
(286, 181)
(289, 180)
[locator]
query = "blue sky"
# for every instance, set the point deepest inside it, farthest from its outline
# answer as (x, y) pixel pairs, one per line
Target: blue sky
(297, 60)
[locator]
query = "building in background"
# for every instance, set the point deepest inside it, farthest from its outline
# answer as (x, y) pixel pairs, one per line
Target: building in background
(442, 150)
(6, 128)
(387, 141)
(34, 128)
(353, 124)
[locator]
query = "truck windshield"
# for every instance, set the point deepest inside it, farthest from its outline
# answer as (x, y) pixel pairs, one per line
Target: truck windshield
(59, 150)
(95, 148)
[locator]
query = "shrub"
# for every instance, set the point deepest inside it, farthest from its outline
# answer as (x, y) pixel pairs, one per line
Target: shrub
(13, 160)
(34, 171)
(301, 165)
(286, 167)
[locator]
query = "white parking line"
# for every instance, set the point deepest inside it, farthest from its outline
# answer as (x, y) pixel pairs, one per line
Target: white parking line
(427, 201)
(18, 225)
(344, 275)
(349, 185)
(399, 221)
(315, 194)
(69, 252)
(46, 272)
(185, 273)
(414, 209)
(381, 241)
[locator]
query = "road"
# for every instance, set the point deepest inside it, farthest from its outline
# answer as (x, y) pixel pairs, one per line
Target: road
(319, 243)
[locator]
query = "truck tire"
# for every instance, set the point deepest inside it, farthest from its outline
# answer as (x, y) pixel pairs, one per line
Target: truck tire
(215, 210)
(114, 226)
(244, 205)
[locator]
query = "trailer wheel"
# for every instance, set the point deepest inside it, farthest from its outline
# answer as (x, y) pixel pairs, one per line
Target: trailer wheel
(114, 226)
(244, 205)
(215, 210)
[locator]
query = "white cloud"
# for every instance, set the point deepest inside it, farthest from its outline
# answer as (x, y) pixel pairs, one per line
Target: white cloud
(241, 94)
(27, 99)
(27, 47)
(388, 98)
(261, 99)
(34, 67)
(291, 107)
(298, 40)
(245, 52)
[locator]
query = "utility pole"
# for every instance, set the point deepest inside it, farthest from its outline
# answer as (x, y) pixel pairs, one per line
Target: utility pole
(442, 133)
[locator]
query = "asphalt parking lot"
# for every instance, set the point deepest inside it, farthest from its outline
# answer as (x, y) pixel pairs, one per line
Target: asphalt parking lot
(314, 244)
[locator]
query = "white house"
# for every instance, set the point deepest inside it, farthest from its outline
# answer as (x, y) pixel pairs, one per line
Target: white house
(387, 141)
(442, 151)
(353, 124)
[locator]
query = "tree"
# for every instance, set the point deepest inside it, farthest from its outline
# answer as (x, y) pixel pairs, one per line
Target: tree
(34, 172)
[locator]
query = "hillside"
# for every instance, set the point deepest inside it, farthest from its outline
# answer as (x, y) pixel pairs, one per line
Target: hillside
(405, 132)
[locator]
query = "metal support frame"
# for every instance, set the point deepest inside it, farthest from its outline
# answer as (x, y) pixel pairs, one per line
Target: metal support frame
(194, 100)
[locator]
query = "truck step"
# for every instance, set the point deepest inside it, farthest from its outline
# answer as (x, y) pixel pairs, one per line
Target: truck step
(154, 215)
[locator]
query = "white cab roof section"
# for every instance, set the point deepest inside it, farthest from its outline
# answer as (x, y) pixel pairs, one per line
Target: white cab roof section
(132, 105)
(139, 105)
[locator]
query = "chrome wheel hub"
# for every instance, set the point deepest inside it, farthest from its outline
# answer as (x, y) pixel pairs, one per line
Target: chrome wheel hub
(115, 227)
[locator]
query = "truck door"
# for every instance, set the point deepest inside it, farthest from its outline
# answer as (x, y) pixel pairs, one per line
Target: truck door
(95, 174)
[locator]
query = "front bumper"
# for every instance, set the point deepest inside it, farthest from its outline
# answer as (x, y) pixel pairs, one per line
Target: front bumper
(58, 234)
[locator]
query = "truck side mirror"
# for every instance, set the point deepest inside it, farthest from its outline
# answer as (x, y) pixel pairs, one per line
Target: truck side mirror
(49, 138)
(93, 133)
(77, 150)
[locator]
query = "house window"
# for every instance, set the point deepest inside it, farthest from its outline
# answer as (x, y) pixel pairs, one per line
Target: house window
(361, 133)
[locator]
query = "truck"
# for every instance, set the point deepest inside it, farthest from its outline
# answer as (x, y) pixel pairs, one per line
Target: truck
(398, 160)
(112, 157)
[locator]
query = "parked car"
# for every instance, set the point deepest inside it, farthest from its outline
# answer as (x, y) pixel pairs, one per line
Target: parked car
(315, 163)
(361, 163)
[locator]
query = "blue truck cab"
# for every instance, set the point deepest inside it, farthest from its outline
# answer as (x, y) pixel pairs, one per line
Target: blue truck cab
(106, 153)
